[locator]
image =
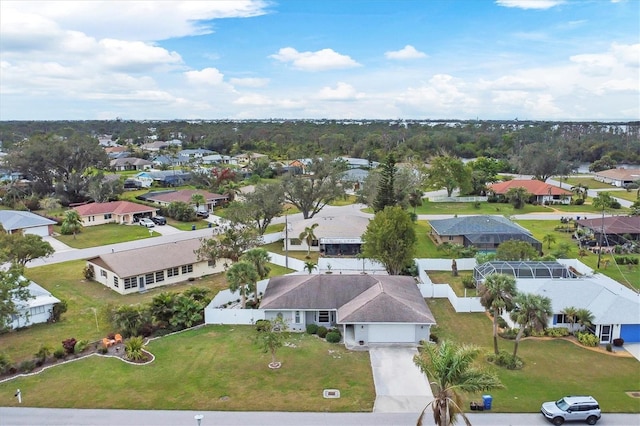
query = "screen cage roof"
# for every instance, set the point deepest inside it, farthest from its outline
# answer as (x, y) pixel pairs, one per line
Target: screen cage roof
(522, 269)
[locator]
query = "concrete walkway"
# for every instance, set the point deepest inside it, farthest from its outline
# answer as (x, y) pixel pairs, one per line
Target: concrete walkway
(633, 349)
(400, 385)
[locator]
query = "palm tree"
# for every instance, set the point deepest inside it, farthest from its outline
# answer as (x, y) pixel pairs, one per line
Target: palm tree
(232, 189)
(581, 191)
(198, 199)
(531, 311)
(549, 239)
(450, 369)
(308, 236)
(584, 318)
(496, 295)
(162, 307)
(259, 258)
(72, 223)
(241, 275)
(415, 199)
(570, 314)
(517, 197)
(310, 266)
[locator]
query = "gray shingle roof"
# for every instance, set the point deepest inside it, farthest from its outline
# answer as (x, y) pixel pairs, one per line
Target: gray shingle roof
(142, 261)
(13, 219)
(469, 225)
(357, 298)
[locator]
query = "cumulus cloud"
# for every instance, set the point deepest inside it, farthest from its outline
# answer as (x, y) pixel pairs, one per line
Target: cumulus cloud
(530, 4)
(321, 60)
(207, 76)
(139, 20)
(342, 92)
(407, 52)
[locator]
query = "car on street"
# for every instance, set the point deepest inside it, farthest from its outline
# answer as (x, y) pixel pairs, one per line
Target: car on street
(159, 220)
(146, 222)
(572, 408)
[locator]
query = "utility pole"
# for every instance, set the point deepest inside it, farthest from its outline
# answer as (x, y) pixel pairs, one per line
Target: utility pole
(601, 234)
(286, 240)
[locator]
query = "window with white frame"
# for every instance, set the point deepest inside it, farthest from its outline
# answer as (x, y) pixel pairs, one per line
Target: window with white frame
(116, 282)
(149, 278)
(296, 317)
(187, 269)
(130, 282)
(172, 272)
(159, 276)
(36, 310)
(323, 316)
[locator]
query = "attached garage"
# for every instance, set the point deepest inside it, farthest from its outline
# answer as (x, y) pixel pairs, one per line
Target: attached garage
(26, 222)
(630, 333)
(392, 333)
(42, 231)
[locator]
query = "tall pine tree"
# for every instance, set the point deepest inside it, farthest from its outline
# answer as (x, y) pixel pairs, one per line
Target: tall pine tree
(386, 192)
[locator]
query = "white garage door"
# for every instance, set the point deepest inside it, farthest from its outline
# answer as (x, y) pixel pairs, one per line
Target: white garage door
(43, 231)
(392, 333)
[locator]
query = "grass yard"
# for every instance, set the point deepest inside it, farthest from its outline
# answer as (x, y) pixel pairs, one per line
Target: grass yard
(425, 247)
(210, 368)
(552, 367)
(589, 182)
(446, 277)
(274, 227)
(111, 233)
(626, 195)
(302, 255)
(346, 201)
(483, 208)
(188, 226)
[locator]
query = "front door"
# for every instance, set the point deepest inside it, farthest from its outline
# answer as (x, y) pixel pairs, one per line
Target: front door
(141, 283)
(605, 334)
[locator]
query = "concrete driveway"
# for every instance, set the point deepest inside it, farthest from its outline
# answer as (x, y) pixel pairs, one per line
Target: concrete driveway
(633, 349)
(400, 385)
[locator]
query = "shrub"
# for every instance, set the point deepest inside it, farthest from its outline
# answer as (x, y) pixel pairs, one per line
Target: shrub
(69, 345)
(59, 353)
(336, 330)
(507, 360)
(27, 365)
(333, 337)
(134, 348)
(433, 338)
(58, 310)
(5, 363)
(509, 333)
(263, 325)
(88, 273)
(502, 323)
(322, 331)
(618, 342)
(81, 346)
(556, 332)
(578, 202)
(43, 353)
(103, 350)
(587, 339)
(468, 282)
(609, 349)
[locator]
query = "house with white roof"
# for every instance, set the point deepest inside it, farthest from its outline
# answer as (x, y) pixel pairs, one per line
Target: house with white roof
(35, 310)
(26, 222)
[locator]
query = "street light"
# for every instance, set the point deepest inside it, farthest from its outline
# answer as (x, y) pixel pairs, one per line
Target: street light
(286, 239)
(198, 418)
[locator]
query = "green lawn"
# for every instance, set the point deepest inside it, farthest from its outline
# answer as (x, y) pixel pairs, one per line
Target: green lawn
(425, 247)
(483, 208)
(590, 183)
(552, 367)
(111, 233)
(302, 255)
(626, 195)
(446, 277)
(346, 201)
(211, 368)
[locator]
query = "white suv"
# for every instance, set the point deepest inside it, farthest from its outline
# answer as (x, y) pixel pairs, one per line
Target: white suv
(572, 408)
(147, 223)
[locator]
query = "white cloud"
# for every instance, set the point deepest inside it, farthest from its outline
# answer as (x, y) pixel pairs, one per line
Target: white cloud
(442, 93)
(207, 76)
(139, 20)
(342, 92)
(407, 52)
(134, 56)
(530, 4)
(249, 82)
(321, 60)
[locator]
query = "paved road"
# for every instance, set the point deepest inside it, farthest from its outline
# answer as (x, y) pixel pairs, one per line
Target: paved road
(72, 417)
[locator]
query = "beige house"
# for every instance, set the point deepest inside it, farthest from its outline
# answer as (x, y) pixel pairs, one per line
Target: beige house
(336, 235)
(618, 177)
(136, 270)
(123, 212)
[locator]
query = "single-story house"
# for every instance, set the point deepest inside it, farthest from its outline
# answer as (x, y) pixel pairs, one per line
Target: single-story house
(541, 192)
(246, 158)
(483, 232)
(164, 198)
(154, 146)
(616, 309)
(358, 163)
(130, 271)
(618, 177)
(617, 229)
(355, 177)
(130, 163)
(26, 222)
(187, 156)
(335, 235)
(218, 159)
(35, 310)
(368, 309)
(123, 212)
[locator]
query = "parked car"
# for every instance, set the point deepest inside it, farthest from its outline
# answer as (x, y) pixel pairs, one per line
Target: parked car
(202, 213)
(159, 220)
(572, 408)
(146, 222)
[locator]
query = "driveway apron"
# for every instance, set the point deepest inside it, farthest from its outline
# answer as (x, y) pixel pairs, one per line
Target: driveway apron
(400, 385)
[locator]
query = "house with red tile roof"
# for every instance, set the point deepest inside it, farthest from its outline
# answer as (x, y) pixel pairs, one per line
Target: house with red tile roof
(123, 212)
(541, 192)
(612, 229)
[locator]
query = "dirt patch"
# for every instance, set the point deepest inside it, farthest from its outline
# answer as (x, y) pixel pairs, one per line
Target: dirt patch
(618, 352)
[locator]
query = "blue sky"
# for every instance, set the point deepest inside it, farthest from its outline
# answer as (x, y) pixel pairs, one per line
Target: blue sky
(340, 59)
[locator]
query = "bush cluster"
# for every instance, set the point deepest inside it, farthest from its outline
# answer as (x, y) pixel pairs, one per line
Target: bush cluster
(587, 339)
(505, 359)
(322, 332)
(312, 329)
(626, 260)
(333, 337)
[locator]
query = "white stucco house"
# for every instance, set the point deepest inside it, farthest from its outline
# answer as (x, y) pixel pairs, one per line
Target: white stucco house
(336, 235)
(35, 310)
(122, 212)
(368, 309)
(131, 271)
